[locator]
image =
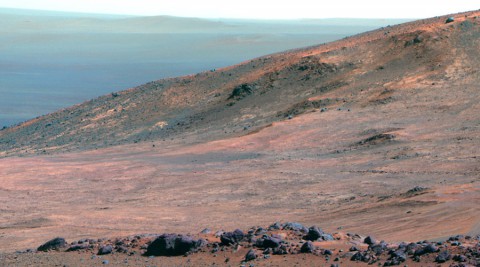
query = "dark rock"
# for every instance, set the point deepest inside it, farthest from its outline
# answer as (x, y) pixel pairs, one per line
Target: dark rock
(78, 247)
(353, 248)
(327, 237)
(271, 242)
(443, 256)
(206, 231)
(456, 238)
(122, 249)
(294, 226)
(268, 251)
(281, 250)
(105, 250)
(241, 91)
(396, 258)
(173, 245)
(105, 262)
(369, 240)
(411, 248)
(416, 189)
(378, 248)
(455, 243)
(230, 238)
(450, 19)
(275, 226)
(460, 258)
(54, 244)
(327, 252)
(430, 248)
(314, 233)
(359, 256)
(417, 39)
(307, 247)
(400, 255)
(260, 231)
(250, 255)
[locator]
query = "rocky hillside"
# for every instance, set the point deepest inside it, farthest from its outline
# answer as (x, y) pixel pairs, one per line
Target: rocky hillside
(402, 64)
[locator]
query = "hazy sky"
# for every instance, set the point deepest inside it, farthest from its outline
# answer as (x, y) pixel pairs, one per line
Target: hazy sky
(263, 9)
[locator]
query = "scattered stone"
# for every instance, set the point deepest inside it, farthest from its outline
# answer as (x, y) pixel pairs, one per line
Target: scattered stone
(54, 244)
(450, 19)
(307, 247)
(105, 262)
(104, 250)
(250, 255)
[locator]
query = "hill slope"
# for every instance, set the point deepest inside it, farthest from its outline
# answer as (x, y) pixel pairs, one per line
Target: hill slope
(380, 68)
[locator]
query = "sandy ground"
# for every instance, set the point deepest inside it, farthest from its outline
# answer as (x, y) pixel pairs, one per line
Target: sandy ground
(296, 170)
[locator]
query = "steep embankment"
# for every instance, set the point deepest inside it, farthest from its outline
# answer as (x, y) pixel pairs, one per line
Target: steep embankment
(372, 69)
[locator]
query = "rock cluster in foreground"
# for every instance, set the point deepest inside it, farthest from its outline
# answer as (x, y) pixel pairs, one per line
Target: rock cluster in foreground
(284, 239)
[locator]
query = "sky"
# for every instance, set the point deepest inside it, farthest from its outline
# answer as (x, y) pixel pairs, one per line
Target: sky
(256, 9)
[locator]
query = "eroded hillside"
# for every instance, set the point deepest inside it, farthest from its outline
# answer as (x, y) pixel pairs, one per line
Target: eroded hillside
(390, 65)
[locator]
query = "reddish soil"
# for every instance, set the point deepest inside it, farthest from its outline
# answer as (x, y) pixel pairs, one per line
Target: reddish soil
(371, 117)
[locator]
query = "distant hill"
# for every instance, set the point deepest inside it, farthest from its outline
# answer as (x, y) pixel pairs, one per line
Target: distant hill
(52, 60)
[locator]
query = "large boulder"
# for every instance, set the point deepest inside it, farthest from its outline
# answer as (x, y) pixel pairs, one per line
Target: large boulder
(307, 247)
(370, 240)
(230, 238)
(104, 250)
(54, 244)
(314, 233)
(173, 245)
(268, 242)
